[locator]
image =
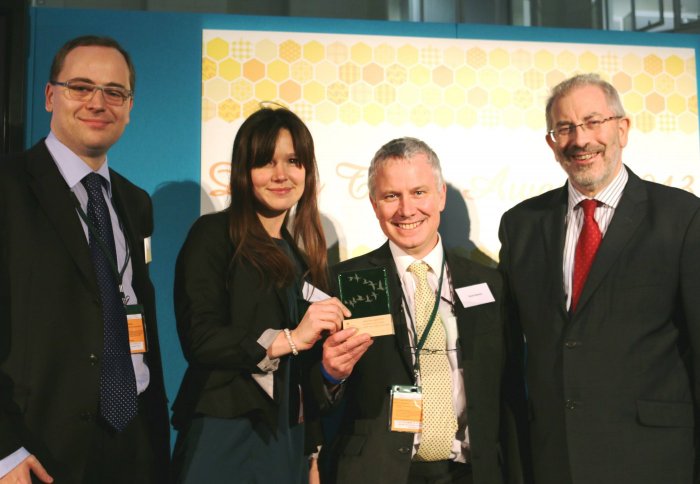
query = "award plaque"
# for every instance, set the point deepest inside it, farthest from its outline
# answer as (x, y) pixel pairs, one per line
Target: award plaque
(366, 293)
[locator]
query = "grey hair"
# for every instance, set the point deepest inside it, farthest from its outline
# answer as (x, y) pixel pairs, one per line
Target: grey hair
(581, 80)
(402, 149)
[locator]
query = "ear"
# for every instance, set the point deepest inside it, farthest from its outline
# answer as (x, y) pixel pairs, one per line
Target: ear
(127, 118)
(48, 94)
(551, 143)
(623, 130)
(442, 196)
(375, 206)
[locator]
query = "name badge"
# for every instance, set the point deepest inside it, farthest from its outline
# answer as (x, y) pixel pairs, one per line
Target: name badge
(136, 325)
(406, 408)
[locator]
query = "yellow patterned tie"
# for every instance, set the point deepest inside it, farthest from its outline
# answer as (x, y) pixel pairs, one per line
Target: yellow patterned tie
(439, 422)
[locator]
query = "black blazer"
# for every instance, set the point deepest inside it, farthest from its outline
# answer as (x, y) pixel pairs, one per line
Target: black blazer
(50, 317)
(613, 389)
(365, 450)
(221, 312)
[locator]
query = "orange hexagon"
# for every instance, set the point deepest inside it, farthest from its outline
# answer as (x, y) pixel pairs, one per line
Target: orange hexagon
(361, 53)
(384, 54)
(278, 71)
(645, 122)
(326, 72)
(385, 94)
(552, 78)
(655, 103)
(477, 97)
(653, 64)
(642, 83)
(674, 65)
(290, 51)
(217, 48)
(622, 82)
(442, 76)
(396, 74)
(588, 62)
(229, 110)
(302, 71)
(676, 104)
(254, 70)
(631, 64)
(685, 84)
(499, 58)
(337, 92)
(314, 51)
(250, 107)
(208, 69)
(313, 92)
(241, 90)
(349, 72)
(476, 57)
(407, 55)
(229, 69)
(266, 90)
(216, 89)
(290, 91)
(337, 53)
(373, 74)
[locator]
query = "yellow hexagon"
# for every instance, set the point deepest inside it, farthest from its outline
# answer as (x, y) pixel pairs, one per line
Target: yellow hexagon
(337, 92)
(431, 95)
(229, 110)
(664, 84)
(544, 60)
(642, 83)
(314, 51)
(361, 93)
(455, 96)
(408, 94)
(453, 57)
(407, 55)
(693, 104)
(675, 104)
(290, 51)
(477, 97)
(290, 91)
(631, 64)
(521, 59)
(690, 65)
(534, 119)
(442, 76)
(254, 70)
(349, 72)
(313, 92)
(500, 97)
(466, 77)
(666, 122)
(241, 90)
(420, 115)
(430, 56)
(645, 122)
(361, 53)
(487, 77)
(266, 90)
(685, 84)
(302, 71)
(278, 71)
(511, 78)
(467, 117)
(533, 79)
(208, 109)
(688, 123)
(373, 114)
(489, 117)
(653, 64)
(512, 117)
(674, 65)
(229, 69)
(588, 62)
(350, 113)
(250, 107)
(622, 82)
(326, 72)
(384, 54)
(552, 78)
(633, 102)
(498, 58)
(208, 69)
(655, 103)
(522, 98)
(476, 57)
(373, 74)
(326, 112)
(337, 53)
(396, 74)
(216, 89)
(217, 48)
(385, 94)
(566, 61)
(419, 75)
(396, 114)
(443, 116)
(265, 50)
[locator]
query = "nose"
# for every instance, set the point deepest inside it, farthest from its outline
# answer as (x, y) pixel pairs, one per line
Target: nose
(581, 136)
(280, 171)
(97, 101)
(406, 206)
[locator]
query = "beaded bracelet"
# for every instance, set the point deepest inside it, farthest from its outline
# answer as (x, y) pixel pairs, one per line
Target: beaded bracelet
(290, 341)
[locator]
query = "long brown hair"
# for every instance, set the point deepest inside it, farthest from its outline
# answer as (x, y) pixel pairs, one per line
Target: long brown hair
(253, 147)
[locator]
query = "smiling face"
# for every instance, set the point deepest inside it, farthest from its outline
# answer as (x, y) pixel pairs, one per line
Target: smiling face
(407, 202)
(591, 158)
(279, 184)
(89, 128)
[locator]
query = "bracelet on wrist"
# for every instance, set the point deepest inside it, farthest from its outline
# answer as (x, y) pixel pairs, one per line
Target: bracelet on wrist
(329, 378)
(288, 334)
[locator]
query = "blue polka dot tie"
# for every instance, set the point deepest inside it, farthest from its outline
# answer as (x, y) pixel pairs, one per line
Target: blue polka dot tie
(586, 248)
(118, 404)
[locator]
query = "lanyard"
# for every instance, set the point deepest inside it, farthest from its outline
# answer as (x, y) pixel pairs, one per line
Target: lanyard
(431, 320)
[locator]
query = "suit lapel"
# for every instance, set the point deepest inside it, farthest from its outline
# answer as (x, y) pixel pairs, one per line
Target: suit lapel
(57, 201)
(628, 214)
(554, 233)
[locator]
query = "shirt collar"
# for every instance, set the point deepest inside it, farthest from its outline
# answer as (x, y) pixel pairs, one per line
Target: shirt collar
(609, 196)
(404, 260)
(72, 168)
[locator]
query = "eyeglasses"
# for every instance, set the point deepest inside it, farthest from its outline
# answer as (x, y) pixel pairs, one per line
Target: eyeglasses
(562, 133)
(85, 91)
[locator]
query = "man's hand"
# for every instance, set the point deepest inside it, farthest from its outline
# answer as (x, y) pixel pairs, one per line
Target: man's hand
(342, 350)
(22, 474)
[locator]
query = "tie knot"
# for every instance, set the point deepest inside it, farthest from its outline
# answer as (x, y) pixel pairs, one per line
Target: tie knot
(589, 206)
(420, 269)
(93, 183)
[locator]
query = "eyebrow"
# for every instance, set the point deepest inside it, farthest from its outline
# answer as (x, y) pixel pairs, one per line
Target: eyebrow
(585, 118)
(90, 81)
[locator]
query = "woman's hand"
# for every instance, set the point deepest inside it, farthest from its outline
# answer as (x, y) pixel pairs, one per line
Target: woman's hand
(321, 316)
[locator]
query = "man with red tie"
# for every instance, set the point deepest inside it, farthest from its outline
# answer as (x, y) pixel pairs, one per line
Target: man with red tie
(603, 276)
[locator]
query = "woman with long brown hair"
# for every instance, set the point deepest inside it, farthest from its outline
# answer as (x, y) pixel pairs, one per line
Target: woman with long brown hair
(244, 328)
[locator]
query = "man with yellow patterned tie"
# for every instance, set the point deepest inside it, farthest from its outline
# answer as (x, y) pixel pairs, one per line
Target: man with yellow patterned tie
(449, 355)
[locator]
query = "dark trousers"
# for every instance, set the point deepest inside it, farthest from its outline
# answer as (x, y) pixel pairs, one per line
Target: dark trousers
(440, 472)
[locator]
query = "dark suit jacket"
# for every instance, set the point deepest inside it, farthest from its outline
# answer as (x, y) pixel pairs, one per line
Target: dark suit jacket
(50, 318)
(614, 388)
(366, 450)
(221, 312)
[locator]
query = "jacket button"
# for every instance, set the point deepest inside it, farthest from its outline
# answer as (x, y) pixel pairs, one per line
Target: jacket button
(570, 405)
(93, 359)
(571, 344)
(404, 450)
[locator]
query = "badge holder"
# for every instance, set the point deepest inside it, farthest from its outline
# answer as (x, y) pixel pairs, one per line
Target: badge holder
(405, 408)
(136, 323)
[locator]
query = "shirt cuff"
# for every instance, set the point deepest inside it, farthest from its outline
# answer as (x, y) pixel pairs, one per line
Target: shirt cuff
(12, 461)
(265, 340)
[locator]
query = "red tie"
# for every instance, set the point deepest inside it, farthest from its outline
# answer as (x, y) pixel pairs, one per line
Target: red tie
(586, 247)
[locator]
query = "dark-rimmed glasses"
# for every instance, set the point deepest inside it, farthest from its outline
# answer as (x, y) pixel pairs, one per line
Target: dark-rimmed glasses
(85, 91)
(562, 132)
